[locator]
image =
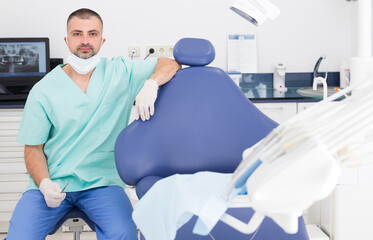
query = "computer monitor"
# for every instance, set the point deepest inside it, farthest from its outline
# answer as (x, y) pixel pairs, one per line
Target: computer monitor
(23, 61)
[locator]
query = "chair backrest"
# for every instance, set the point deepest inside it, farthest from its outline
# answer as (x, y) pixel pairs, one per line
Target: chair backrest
(202, 122)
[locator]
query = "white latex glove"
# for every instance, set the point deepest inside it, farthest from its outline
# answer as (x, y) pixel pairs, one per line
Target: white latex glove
(52, 193)
(145, 100)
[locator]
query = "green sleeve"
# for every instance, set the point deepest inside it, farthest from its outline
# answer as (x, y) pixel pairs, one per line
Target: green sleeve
(140, 72)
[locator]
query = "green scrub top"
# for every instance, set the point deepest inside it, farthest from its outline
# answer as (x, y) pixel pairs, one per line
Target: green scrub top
(80, 129)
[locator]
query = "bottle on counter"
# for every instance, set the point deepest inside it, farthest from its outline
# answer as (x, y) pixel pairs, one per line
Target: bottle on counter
(279, 77)
(344, 75)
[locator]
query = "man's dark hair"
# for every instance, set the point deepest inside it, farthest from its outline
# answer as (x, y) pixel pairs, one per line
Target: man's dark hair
(84, 13)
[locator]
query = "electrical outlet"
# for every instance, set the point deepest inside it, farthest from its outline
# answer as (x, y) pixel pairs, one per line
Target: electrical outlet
(134, 51)
(170, 50)
(147, 50)
(161, 51)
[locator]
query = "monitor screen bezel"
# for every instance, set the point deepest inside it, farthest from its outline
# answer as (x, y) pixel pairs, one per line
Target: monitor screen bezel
(26, 80)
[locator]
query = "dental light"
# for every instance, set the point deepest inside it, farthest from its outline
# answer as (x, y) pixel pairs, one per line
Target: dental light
(255, 11)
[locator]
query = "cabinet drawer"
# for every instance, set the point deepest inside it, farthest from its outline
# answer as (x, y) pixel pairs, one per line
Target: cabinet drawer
(9, 155)
(11, 148)
(279, 112)
(10, 142)
(5, 217)
(7, 206)
(8, 132)
(11, 112)
(304, 106)
(6, 168)
(10, 197)
(13, 178)
(9, 125)
(12, 160)
(10, 119)
(13, 187)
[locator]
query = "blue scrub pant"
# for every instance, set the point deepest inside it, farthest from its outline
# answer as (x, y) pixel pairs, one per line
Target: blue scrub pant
(108, 207)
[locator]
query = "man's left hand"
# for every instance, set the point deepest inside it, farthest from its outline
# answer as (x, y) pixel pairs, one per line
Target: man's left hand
(145, 100)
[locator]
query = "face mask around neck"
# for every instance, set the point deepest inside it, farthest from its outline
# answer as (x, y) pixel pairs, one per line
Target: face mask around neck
(81, 65)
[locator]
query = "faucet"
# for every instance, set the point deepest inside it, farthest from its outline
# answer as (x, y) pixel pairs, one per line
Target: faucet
(320, 80)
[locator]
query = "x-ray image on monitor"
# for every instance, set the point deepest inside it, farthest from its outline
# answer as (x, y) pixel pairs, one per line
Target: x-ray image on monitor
(23, 62)
(22, 57)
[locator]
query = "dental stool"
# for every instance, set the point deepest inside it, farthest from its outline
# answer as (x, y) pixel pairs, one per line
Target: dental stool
(73, 220)
(202, 122)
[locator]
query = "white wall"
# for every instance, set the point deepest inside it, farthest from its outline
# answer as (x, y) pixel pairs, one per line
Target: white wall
(305, 29)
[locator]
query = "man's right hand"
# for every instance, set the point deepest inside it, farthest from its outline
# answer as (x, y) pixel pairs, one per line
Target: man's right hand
(52, 193)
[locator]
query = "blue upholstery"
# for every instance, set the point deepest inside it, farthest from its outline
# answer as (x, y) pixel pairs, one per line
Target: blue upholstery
(202, 122)
(145, 184)
(74, 213)
(194, 52)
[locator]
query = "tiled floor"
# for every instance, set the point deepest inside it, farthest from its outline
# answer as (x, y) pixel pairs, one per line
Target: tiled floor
(66, 236)
(59, 235)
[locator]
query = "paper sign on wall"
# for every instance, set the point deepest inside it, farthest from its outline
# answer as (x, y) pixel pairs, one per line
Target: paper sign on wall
(242, 53)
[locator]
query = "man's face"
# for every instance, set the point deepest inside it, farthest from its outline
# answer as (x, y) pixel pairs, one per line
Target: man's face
(84, 36)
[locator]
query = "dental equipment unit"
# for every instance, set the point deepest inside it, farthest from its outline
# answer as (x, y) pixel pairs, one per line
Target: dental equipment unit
(303, 157)
(163, 158)
(299, 162)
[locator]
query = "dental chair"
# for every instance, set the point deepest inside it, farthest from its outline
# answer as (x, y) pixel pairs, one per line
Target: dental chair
(73, 219)
(202, 122)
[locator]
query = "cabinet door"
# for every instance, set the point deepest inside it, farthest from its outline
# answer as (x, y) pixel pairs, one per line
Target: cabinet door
(279, 112)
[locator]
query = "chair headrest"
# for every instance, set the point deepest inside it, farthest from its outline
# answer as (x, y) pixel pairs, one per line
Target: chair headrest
(194, 52)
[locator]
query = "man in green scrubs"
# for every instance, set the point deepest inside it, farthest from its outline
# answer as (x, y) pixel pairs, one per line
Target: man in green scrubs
(71, 120)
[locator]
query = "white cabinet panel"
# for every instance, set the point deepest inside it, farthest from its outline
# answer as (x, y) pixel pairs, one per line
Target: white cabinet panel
(6, 168)
(13, 173)
(11, 111)
(6, 142)
(10, 196)
(13, 187)
(9, 132)
(5, 217)
(347, 213)
(11, 148)
(304, 105)
(12, 160)
(279, 112)
(9, 125)
(10, 119)
(7, 206)
(13, 178)
(10, 155)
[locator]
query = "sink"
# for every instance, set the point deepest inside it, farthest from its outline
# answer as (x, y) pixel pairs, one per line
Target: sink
(319, 92)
